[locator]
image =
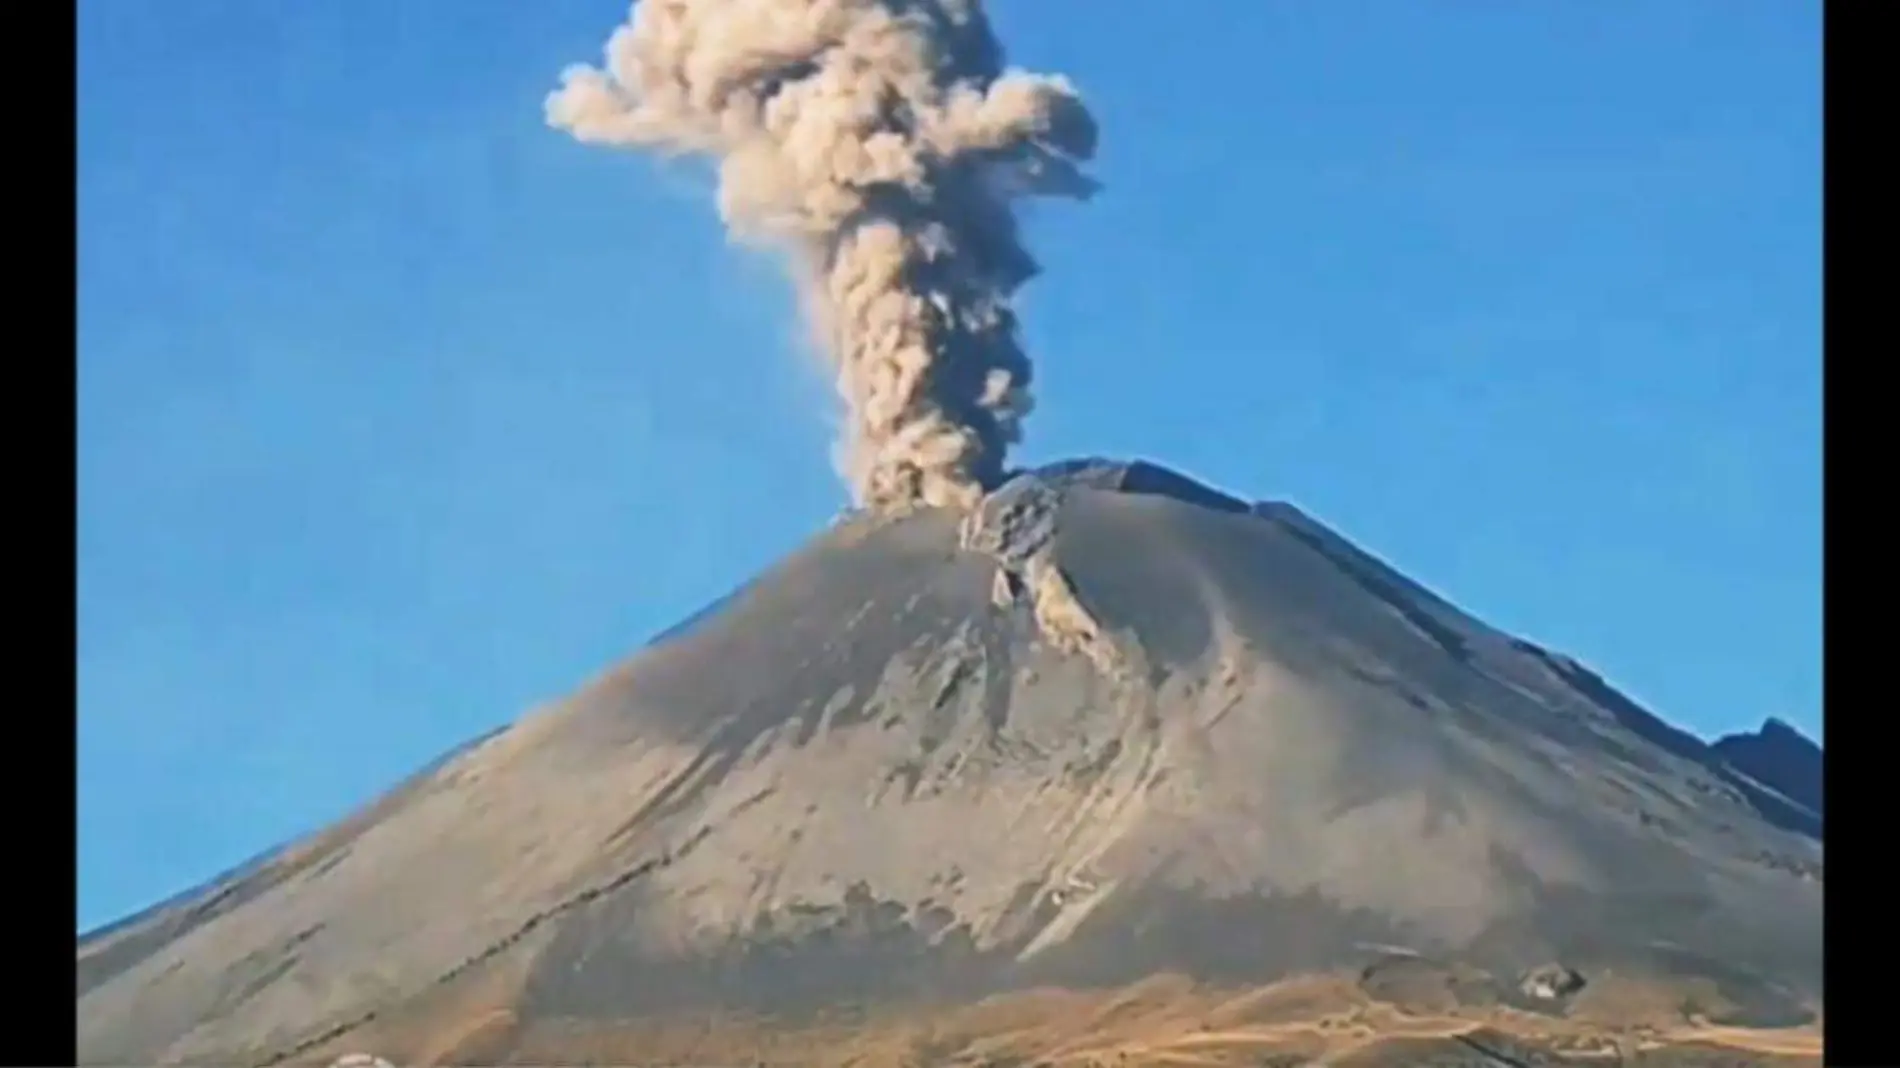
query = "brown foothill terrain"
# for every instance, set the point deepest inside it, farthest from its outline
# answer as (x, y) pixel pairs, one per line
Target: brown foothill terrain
(1245, 796)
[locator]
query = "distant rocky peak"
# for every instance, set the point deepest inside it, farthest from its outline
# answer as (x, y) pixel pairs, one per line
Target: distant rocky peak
(1780, 757)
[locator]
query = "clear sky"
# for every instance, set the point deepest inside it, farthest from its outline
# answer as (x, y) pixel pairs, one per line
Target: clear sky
(400, 412)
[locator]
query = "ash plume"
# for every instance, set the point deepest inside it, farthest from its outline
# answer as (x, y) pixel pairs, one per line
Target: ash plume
(879, 144)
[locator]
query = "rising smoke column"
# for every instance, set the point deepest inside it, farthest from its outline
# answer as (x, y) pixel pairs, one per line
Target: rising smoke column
(879, 143)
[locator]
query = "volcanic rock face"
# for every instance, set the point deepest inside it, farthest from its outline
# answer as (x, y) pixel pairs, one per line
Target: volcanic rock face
(1112, 725)
(1778, 757)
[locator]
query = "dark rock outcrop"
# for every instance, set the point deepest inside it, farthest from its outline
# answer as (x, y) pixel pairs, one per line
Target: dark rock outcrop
(1780, 758)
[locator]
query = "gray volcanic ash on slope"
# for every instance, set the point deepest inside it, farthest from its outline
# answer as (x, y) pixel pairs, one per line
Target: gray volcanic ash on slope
(878, 143)
(870, 779)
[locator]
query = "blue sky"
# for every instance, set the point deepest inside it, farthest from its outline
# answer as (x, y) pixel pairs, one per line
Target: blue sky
(400, 413)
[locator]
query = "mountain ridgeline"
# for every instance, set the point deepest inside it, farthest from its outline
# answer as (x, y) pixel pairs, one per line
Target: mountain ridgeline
(1112, 726)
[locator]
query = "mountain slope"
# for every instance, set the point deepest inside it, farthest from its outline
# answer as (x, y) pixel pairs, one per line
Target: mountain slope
(874, 778)
(1779, 757)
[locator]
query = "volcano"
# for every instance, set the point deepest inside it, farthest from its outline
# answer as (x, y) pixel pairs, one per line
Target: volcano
(1117, 749)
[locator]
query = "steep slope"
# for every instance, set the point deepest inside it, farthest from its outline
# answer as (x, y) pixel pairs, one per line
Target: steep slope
(1779, 757)
(877, 778)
